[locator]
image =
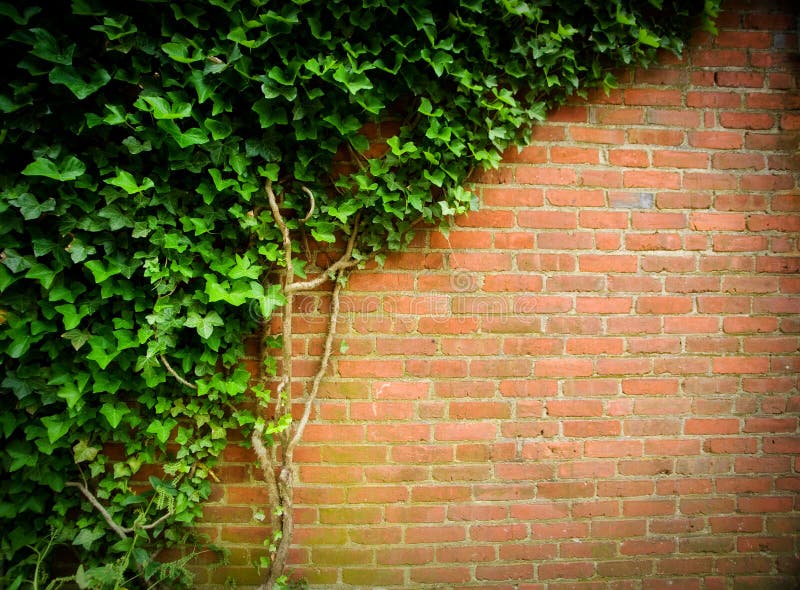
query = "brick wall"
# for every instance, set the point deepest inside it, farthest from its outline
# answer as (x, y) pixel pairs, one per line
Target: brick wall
(592, 383)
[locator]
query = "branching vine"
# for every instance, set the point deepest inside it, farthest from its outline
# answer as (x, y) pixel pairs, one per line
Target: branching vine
(163, 162)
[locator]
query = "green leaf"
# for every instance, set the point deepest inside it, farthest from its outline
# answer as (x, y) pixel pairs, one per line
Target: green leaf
(162, 429)
(345, 126)
(11, 12)
(269, 114)
(31, 208)
(127, 182)
(204, 325)
(219, 129)
(647, 38)
(57, 426)
(69, 169)
(81, 87)
(194, 136)
(82, 451)
(161, 108)
(86, 538)
(324, 232)
(114, 412)
(135, 146)
(354, 81)
(76, 337)
(179, 51)
(47, 47)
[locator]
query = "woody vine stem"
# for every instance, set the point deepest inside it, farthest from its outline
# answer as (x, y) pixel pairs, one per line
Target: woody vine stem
(276, 453)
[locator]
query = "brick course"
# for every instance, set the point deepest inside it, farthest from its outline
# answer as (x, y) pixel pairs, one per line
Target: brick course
(593, 381)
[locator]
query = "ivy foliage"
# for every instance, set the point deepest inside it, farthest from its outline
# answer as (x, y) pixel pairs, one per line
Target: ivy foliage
(136, 139)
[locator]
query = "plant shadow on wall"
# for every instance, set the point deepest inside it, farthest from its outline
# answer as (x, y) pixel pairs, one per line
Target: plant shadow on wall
(163, 163)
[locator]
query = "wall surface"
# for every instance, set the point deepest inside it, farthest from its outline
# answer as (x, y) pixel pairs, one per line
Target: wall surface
(592, 383)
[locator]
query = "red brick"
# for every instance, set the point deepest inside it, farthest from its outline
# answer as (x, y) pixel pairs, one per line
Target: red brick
(487, 218)
(603, 177)
(596, 135)
(740, 79)
(370, 368)
(563, 368)
(403, 556)
(651, 179)
(603, 219)
(628, 157)
(618, 528)
(680, 159)
(717, 221)
(466, 554)
(723, 140)
(574, 155)
(712, 426)
(498, 533)
(466, 431)
(613, 448)
(566, 570)
(504, 572)
(761, 504)
(664, 305)
(550, 220)
(636, 96)
(603, 305)
(435, 534)
(398, 432)
(562, 490)
(607, 263)
(546, 176)
(439, 575)
(741, 120)
(439, 493)
(661, 137)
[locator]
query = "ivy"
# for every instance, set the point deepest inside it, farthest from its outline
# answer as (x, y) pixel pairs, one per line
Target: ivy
(139, 244)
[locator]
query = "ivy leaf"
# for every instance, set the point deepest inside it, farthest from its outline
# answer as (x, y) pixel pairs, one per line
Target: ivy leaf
(161, 108)
(269, 114)
(57, 426)
(180, 52)
(647, 38)
(194, 136)
(204, 324)
(102, 272)
(135, 146)
(86, 538)
(21, 388)
(161, 429)
(219, 129)
(324, 232)
(47, 47)
(127, 182)
(31, 208)
(271, 300)
(21, 454)
(114, 412)
(80, 87)
(70, 393)
(11, 12)
(344, 211)
(76, 337)
(70, 169)
(79, 251)
(6, 279)
(83, 452)
(41, 273)
(354, 81)
(345, 126)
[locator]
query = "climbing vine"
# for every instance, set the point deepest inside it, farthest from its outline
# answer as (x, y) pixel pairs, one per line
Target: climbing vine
(169, 168)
